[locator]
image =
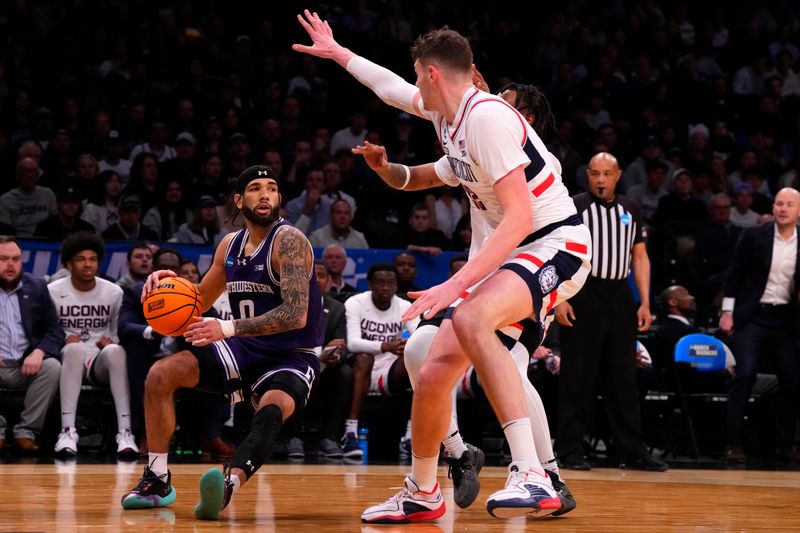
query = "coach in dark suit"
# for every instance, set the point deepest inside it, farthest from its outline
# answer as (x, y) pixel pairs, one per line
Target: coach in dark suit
(759, 307)
(31, 339)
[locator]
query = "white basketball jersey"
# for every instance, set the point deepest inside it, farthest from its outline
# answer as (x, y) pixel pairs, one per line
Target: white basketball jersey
(487, 140)
(91, 314)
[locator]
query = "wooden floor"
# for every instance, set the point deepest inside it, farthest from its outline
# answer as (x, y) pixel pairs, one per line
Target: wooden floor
(300, 498)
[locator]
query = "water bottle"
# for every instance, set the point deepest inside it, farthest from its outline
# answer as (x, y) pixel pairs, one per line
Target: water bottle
(363, 443)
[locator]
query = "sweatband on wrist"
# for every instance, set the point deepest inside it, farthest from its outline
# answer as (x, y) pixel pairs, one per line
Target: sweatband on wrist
(228, 328)
(408, 176)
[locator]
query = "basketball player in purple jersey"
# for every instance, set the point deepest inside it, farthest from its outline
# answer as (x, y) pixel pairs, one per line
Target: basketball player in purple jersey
(533, 251)
(269, 352)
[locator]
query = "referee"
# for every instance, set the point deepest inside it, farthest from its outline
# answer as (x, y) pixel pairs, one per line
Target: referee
(598, 333)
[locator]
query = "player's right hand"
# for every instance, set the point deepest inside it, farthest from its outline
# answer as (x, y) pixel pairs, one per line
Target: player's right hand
(564, 314)
(374, 155)
(153, 279)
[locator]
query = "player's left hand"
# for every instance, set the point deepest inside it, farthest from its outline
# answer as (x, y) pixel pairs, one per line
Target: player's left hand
(374, 155)
(478, 81)
(433, 300)
(203, 331)
(103, 342)
(643, 318)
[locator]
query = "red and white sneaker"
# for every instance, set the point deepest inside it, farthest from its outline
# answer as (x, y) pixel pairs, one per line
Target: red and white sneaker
(525, 493)
(409, 505)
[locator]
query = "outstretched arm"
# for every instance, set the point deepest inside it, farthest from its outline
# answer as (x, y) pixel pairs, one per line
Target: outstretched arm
(387, 85)
(396, 175)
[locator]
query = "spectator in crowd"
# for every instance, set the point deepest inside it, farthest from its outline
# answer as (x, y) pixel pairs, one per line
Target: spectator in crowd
(84, 175)
(30, 343)
(156, 144)
(679, 205)
(113, 157)
(375, 340)
(741, 215)
(238, 154)
(333, 180)
(420, 236)
(339, 229)
(446, 206)
(139, 264)
(58, 159)
(210, 182)
(67, 218)
(100, 209)
(462, 235)
(759, 309)
(332, 393)
(351, 136)
(88, 309)
(183, 167)
(715, 242)
(335, 258)
(754, 176)
(170, 212)
(636, 172)
(144, 180)
(204, 226)
(301, 165)
(406, 265)
(311, 210)
(25, 206)
(649, 193)
(129, 226)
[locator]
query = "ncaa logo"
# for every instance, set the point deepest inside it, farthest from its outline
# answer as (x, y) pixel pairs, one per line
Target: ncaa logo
(229, 262)
(625, 218)
(548, 279)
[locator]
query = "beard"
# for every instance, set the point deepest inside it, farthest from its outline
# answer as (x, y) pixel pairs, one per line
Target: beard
(260, 220)
(7, 284)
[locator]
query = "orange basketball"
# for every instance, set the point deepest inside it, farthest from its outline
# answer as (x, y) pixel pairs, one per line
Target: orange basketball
(170, 307)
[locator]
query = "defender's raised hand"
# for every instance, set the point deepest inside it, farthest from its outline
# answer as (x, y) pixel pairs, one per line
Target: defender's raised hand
(323, 44)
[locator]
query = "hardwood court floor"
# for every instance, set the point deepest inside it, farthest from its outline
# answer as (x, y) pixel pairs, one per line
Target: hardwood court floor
(311, 498)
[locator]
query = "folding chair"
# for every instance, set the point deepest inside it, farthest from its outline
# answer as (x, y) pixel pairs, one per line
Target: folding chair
(704, 353)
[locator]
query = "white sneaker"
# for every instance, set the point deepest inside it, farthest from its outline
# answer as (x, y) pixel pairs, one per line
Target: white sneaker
(409, 505)
(126, 444)
(67, 443)
(525, 493)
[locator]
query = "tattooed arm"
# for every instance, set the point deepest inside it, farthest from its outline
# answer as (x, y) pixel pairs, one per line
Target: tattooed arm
(292, 258)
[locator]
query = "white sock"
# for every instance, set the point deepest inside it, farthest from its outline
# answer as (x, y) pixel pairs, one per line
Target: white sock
(408, 431)
(158, 463)
(520, 441)
(235, 481)
(423, 471)
(454, 445)
(351, 426)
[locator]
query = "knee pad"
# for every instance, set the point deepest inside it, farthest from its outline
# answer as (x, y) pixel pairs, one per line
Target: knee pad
(257, 447)
(416, 350)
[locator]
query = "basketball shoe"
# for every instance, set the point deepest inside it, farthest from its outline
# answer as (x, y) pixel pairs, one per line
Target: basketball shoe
(350, 448)
(126, 444)
(404, 449)
(67, 443)
(464, 473)
(152, 491)
(409, 505)
(524, 493)
(568, 502)
(216, 491)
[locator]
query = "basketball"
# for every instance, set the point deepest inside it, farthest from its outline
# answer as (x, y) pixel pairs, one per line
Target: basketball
(170, 306)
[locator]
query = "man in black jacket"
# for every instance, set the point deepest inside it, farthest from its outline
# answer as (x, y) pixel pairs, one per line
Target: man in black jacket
(31, 339)
(759, 307)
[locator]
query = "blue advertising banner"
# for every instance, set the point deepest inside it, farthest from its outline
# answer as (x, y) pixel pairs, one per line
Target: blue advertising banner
(41, 258)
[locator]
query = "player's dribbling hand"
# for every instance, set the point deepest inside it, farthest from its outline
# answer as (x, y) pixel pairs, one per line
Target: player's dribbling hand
(203, 331)
(374, 155)
(432, 300)
(153, 279)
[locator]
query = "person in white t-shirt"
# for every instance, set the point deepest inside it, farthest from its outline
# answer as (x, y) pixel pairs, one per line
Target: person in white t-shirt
(88, 309)
(530, 252)
(376, 340)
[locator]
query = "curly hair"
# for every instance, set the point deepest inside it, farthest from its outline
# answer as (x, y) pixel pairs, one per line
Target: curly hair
(531, 100)
(80, 241)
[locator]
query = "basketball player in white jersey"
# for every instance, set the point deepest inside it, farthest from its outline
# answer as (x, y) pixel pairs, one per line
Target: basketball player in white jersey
(536, 255)
(88, 309)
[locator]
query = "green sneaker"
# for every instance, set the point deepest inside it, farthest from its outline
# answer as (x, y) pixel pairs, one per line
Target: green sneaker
(215, 494)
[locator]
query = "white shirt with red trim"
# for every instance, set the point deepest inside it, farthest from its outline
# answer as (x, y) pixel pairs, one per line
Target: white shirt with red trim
(487, 140)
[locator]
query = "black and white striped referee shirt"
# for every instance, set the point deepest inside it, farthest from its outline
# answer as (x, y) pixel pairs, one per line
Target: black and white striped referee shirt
(615, 227)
